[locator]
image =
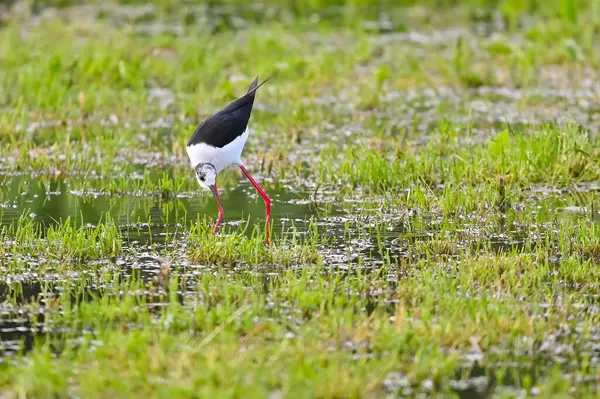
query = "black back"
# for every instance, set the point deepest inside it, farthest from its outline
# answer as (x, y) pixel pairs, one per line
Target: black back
(226, 125)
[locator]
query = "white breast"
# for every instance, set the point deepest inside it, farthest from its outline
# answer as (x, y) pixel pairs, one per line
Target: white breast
(219, 157)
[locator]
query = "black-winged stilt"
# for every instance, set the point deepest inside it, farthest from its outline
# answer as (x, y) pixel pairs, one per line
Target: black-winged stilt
(218, 142)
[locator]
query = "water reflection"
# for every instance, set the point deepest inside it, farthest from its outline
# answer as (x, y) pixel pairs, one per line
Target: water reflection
(55, 201)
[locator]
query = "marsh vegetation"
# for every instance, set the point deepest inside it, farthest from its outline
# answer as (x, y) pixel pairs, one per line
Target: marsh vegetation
(433, 165)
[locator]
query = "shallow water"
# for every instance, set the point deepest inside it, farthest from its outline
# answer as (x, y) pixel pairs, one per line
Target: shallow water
(145, 222)
(47, 203)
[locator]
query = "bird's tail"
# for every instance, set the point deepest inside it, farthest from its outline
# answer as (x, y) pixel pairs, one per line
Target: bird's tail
(254, 86)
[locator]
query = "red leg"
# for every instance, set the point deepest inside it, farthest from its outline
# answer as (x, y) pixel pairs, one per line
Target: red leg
(265, 198)
(221, 212)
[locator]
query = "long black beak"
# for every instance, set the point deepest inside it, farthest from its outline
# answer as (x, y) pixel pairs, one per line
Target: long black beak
(214, 191)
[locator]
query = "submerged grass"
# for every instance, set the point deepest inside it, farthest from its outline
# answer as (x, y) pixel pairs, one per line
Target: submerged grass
(454, 247)
(62, 240)
(254, 334)
(286, 248)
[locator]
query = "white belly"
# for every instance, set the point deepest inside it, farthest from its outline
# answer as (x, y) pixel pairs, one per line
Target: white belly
(219, 157)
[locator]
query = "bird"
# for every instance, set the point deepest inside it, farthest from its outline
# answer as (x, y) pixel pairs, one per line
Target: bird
(218, 142)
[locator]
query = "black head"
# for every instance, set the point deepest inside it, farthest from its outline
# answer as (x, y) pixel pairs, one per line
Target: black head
(206, 174)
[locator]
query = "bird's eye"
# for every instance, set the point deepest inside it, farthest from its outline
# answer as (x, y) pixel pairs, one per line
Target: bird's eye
(201, 178)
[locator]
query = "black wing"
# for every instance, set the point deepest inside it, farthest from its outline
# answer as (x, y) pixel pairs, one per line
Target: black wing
(226, 125)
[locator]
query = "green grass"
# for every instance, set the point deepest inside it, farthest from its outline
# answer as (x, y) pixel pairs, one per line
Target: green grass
(309, 325)
(237, 247)
(63, 240)
(436, 227)
(549, 154)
